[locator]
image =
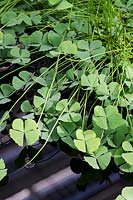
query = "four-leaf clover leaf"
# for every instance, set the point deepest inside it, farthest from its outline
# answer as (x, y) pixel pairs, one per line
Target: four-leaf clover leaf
(86, 141)
(24, 130)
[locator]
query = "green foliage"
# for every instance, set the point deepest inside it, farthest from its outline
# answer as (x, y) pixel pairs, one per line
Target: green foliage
(66, 72)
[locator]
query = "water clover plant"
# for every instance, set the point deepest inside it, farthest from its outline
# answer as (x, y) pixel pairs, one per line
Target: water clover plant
(66, 74)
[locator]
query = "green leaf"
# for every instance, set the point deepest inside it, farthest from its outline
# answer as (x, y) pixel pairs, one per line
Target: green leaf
(80, 145)
(70, 74)
(25, 75)
(35, 136)
(107, 118)
(38, 101)
(84, 55)
(118, 138)
(127, 193)
(83, 45)
(39, 80)
(1, 37)
(91, 81)
(20, 56)
(17, 122)
(24, 39)
(9, 39)
(74, 107)
(17, 136)
(68, 47)
(101, 150)
(26, 106)
(25, 54)
(99, 117)
(15, 52)
(30, 125)
(66, 129)
(88, 138)
(35, 38)
(54, 2)
(97, 50)
(27, 20)
(64, 4)
(102, 90)
(101, 160)
(128, 157)
(89, 134)
(68, 140)
(114, 118)
(118, 158)
(104, 160)
(129, 72)
(120, 198)
(4, 100)
(54, 53)
(45, 47)
(95, 44)
(17, 83)
(6, 89)
(8, 17)
(126, 168)
(80, 135)
(61, 131)
(60, 28)
(54, 38)
(93, 144)
(3, 170)
(92, 162)
(115, 121)
(75, 117)
(84, 80)
(66, 118)
(35, 17)
(127, 146)
(43, 91)
(114, 88)
(61, 104)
